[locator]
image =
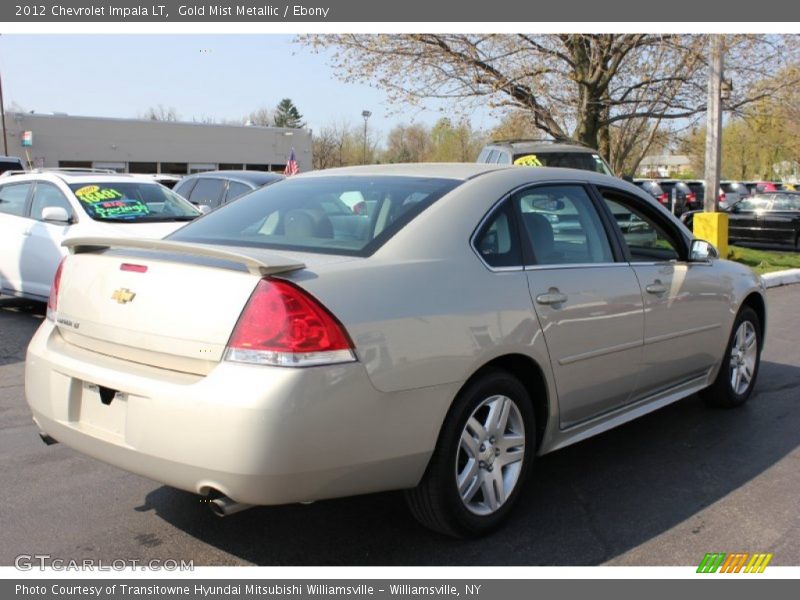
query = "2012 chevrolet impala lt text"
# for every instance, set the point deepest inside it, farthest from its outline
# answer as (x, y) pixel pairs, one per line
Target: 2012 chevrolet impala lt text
(430, 328)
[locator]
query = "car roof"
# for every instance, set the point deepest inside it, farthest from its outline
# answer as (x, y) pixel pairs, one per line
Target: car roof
(252, 177)
(461, 171)
(70, 177)
(542, 146)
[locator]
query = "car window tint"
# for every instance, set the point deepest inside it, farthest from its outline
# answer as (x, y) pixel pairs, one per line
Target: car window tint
(497, 241)
(646, 239)
(562, 225)
(236, 189)
(45, 196)
(184, 187)
(12, 198)
(208, 191)
(308, 214)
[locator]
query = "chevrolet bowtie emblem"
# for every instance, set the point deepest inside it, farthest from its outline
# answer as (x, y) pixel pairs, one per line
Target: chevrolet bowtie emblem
(123, 295)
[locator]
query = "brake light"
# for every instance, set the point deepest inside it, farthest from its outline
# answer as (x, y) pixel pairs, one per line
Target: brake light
(663, 198)
(282, 325)
(52, 300)
(133, 268)
(691, 197)
(722, 196)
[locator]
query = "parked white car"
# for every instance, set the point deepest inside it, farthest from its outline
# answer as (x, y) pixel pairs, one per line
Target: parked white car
(40, 209)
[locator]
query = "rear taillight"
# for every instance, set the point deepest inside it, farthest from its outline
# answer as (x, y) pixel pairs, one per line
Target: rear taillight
(52, 301)
(691, 197)
(663, 198)
(722, 196)
(284, 326)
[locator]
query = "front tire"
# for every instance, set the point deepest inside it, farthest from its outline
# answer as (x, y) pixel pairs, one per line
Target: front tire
(478, 467)
(737, 374)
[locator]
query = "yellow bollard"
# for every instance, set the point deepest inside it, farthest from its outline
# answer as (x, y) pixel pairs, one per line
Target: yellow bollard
(712, 227)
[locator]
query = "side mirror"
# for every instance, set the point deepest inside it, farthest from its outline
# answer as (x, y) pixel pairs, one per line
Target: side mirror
(702, 251)
(56, 214)
(204, 208)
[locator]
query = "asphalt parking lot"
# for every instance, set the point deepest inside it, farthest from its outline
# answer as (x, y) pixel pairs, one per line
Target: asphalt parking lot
(663, 490)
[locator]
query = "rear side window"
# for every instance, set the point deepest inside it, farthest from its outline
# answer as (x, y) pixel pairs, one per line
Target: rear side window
(236, 189)
(13, 197)
(308, 214)
(497, 242)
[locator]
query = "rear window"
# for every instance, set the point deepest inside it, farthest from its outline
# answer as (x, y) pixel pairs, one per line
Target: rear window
(569, 160)
(317, 214)
(132, 201)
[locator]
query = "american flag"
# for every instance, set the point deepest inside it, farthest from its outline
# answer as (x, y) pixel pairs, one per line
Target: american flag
(291, 165)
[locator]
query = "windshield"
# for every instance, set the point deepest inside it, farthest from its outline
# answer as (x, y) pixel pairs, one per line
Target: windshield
(585, 161)
(335, 214)
(132, 202)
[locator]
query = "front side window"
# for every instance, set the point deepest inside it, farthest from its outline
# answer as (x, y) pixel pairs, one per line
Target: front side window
(132, 201)
(647, 240)
(308, 214)
(45, 196)
(562, 225)
(13, 197)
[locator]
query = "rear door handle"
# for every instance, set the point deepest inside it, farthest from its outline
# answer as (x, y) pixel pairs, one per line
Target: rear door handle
(656, 287)
(553, 296)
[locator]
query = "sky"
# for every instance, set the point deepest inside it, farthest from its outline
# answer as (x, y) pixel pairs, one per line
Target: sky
(224, 77)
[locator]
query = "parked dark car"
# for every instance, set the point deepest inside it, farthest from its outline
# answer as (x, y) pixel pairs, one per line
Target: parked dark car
(732, 192)
(662, 190)
(652, 187)
(214, 188)
(772, 218)
(544, 153)
(11, 163)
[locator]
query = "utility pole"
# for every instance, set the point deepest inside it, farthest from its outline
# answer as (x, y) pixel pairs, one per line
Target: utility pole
(366, 114)
(714, 124)
(3, 113)
(711, 225)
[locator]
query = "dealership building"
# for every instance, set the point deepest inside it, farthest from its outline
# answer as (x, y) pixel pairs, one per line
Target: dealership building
(146, 146)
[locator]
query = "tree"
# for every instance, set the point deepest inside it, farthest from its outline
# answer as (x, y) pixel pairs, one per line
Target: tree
(407, 143)
(758, 138)
(608, 91)
(259, 117)
(287, 115)
(161, 113)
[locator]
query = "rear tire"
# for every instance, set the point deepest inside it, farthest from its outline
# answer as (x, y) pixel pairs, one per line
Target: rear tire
(483, 453)
(739, 370)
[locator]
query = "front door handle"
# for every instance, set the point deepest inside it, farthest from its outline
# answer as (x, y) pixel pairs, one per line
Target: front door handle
(553, 296)
(656, 287)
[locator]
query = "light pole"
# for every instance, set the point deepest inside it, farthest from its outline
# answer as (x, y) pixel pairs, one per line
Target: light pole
(366, 114)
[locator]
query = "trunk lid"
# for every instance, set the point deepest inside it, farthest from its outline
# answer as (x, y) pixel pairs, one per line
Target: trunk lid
(173, 306)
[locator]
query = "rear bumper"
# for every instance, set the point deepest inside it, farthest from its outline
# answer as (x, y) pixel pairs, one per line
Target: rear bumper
(260, 435)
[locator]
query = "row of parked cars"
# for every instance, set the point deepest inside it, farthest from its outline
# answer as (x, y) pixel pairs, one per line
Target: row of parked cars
(689, 194)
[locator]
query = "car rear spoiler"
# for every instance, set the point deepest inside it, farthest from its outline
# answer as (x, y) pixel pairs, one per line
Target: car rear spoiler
(258, 263)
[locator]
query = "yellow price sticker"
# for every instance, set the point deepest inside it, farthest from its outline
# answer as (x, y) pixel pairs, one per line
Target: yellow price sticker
(529, 160)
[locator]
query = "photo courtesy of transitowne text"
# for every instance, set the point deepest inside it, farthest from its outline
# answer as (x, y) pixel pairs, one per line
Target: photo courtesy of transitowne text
(350, 300)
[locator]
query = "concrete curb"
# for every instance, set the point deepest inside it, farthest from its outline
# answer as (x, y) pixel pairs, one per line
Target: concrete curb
(778, 278)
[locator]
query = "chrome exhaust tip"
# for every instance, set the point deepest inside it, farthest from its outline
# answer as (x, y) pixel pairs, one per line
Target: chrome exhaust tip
(47, 439)
(224, 506)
